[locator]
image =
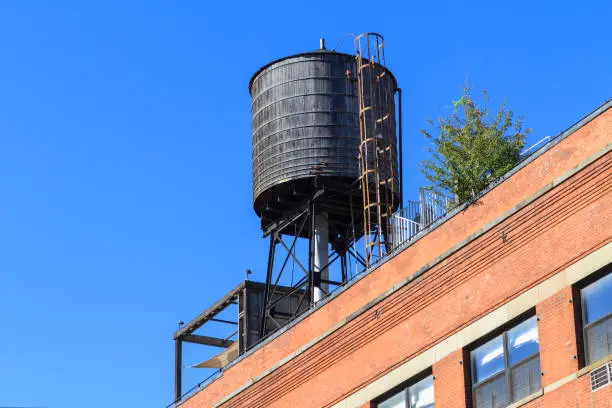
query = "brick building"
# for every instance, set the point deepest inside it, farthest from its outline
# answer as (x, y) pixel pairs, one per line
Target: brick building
(504, 303)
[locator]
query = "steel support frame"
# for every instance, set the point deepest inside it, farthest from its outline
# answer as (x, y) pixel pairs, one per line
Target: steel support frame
(185, 335)
(272, 280)
(303, 216)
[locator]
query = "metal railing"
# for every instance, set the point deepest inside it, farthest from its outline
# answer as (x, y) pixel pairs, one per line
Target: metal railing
(403, 229)
(407, 222)
(536, 146)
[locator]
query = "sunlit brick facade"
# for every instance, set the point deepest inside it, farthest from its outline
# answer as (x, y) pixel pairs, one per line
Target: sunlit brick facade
(448, 307)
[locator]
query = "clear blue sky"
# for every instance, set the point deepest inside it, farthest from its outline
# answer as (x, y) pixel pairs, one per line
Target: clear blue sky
(125, 174)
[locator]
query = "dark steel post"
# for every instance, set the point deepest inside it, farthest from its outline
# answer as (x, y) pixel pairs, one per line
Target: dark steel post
(178, 371)
(311, 281)
(401, 149)
(343, 267)
(264, 307)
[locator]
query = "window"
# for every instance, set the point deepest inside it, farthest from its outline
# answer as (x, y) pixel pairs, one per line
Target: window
(417, 395)
(506, 369)
(597, 318)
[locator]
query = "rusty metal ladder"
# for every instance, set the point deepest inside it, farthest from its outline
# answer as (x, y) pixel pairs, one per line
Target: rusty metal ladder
(376, 145)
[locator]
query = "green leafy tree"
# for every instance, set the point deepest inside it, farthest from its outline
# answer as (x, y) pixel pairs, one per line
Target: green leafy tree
(471, 150)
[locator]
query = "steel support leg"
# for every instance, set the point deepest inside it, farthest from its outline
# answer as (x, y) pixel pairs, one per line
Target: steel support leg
(178, 369)
(321, 256)
(264, 307)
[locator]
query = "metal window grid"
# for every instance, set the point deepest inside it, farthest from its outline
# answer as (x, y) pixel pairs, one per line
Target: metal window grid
(507, 371)
(406, 392)
(586, 327)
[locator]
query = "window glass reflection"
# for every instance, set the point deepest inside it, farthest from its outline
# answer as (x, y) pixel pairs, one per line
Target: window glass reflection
(421, 394)
(396, 401)
(488, 359)
(500, 380)
(523, 341)
(597, 299)
(599, 340)
(493, 394)
(525, 378)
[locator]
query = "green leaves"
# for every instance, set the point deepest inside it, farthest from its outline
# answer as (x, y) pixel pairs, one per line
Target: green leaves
(470, 150)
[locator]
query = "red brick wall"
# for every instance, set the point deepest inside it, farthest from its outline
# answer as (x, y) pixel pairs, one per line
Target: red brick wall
(473, 281)
(575, 394)
(556, 329)
(449, 383)
(557, 350)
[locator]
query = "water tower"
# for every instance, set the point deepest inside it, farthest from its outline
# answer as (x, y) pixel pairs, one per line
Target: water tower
(325, 166)
(325, 183)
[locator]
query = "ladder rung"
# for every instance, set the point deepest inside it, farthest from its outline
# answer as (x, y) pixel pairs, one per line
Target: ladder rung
(387, 116)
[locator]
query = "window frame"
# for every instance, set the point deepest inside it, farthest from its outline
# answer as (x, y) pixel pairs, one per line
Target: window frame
(581, 327)
(404, 387)
(507, 371)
